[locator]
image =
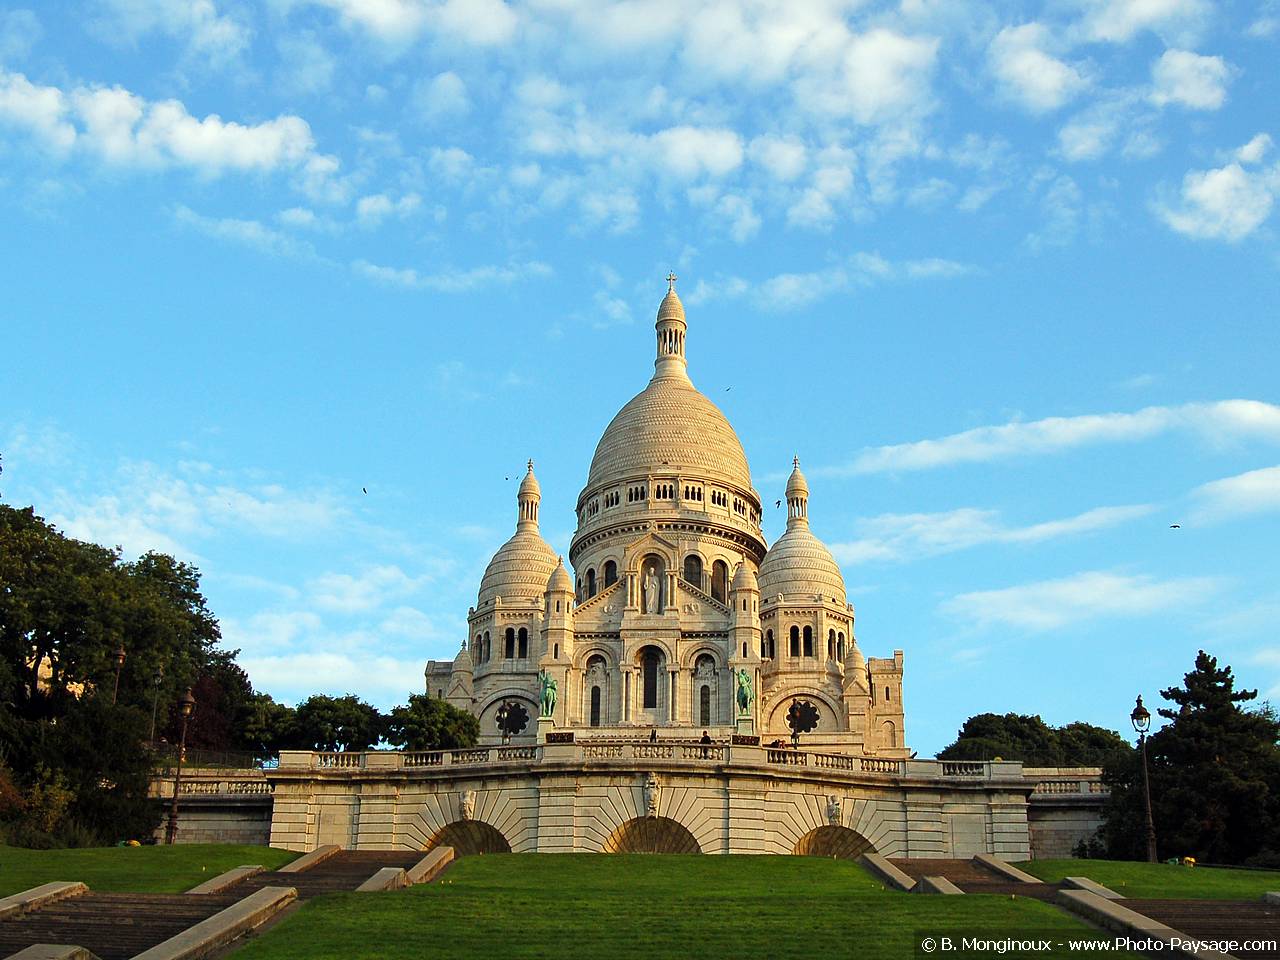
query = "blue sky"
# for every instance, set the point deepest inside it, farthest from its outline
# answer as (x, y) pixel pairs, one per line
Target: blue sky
(1006, 277)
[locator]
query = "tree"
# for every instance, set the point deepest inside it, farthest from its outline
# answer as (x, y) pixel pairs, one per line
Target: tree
(337, 723)
(427, 724)
(1215, 776)
(1014, 736)
(268, 726)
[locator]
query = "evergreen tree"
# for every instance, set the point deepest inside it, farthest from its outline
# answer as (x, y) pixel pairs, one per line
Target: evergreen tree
(1215, 777)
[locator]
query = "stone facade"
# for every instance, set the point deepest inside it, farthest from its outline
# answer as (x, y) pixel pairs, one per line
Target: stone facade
(675, 594)
(604, 796)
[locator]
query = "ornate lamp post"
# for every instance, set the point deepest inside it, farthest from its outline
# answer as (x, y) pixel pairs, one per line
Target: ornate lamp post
(155, 700)
(119, 666)
(187, 705)
(1141, 720)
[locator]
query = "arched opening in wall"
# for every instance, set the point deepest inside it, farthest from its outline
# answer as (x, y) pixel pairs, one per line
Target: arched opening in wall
(693, 570)
(591, 582)
(595, 706)
(840, 646)
(832, 841)
(523, 649)
(704, 706)
(831, 644)
(889, 733)
(794, 649)
(768, 645)
(488, 648)
(510, 653)
(808, 641)
(719, 580)
(468, 837)
(650, 662)
(610, 573)
(651, 835)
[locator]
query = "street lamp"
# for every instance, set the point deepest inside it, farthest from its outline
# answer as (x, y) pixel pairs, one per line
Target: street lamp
(119, 665)
(503, 711)
(1141, 720)
(155, 701)
(187, 705)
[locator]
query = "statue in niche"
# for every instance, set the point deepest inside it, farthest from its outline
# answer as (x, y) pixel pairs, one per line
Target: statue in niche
(651, 792)
(745, 694)
(467, 804)
(833, 811)
(649, 591)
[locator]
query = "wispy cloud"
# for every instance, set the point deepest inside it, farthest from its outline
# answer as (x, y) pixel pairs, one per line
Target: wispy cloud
(1051, 604)
(1221, 421)
(905, 536)
(1257, 491)
(455, 281)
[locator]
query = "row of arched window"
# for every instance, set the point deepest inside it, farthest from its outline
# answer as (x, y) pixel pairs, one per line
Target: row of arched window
(664, 491)
(590, 585)
(515, 645)
(719, 585)
(800, 644)
(667, 491)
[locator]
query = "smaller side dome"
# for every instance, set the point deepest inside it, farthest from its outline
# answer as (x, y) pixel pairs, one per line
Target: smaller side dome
(559, 581)
(462, 662)
(744, 578)
(797, 486)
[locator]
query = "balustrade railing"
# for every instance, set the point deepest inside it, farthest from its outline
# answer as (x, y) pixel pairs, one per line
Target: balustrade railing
(964, 768)
(792, 758)
(602, 751)
(424, 758)
(470, 756)
(342, 760)
(703, 751)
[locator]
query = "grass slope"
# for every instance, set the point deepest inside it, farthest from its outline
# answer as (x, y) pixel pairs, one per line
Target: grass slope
(157, 869)
(1161, 880)
(619, 906)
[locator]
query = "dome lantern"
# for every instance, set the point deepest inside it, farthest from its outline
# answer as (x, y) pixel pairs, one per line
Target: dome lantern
(529, 497)
(797, 497)
(671, 329)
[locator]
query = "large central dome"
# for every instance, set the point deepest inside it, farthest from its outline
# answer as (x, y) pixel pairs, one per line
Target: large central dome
(669, 426)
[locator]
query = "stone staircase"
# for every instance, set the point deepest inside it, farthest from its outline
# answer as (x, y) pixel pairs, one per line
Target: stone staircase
(1238, 920)
(343, 871)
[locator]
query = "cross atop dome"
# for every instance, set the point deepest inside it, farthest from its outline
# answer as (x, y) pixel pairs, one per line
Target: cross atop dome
(671, 280)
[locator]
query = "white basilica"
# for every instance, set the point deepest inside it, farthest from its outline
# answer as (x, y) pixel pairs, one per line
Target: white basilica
(674, 592)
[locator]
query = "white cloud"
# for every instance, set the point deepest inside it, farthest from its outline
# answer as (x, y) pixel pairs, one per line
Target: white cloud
(459, 281)
(308, 67)
(19, 30)
(791, 291)
(123, 129)
(1030, 75)
(1051, 604)
(444, 95)
(879, 76)
(368, 590)
(208, 33)
(690, 152)
(400, 22)
(249, 233)
(784, 158)
(1226, 203)
(898, 536)
(1215, 422)
(1118, 21)
(352, 667)
(1257, 491)
(1255, 149)
(1190, 80)
(372, 210)
(174, 512)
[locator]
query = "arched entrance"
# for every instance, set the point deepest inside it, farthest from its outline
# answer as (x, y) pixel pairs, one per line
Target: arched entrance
(832, 841)
(651, 835)
(469, 837)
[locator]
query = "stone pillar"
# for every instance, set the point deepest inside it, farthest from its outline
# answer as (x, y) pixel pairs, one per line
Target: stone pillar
(746, 820)
(557, 807)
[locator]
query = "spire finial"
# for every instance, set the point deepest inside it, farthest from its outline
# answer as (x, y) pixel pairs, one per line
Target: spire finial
(671, 280)
(795, 461)
(531, 464)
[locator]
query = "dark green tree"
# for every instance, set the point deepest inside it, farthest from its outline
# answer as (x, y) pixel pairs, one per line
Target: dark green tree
(268, 727)
(337, 723)
(1014, 736)
(1215, 777)
(431, 724)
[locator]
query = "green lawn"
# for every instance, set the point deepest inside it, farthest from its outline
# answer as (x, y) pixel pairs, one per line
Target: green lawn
(157, 869)
(642, 906)
(1161, 880)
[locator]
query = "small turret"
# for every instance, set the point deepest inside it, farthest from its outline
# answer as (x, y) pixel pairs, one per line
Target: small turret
(557, 621)
(671, 328)
(529, 498)
(460, 690)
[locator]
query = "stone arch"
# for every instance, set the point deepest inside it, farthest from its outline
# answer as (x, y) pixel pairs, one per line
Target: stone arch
(488, 713)
(689, 657)
(651, 835)
(833, 841)
(469, 837)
